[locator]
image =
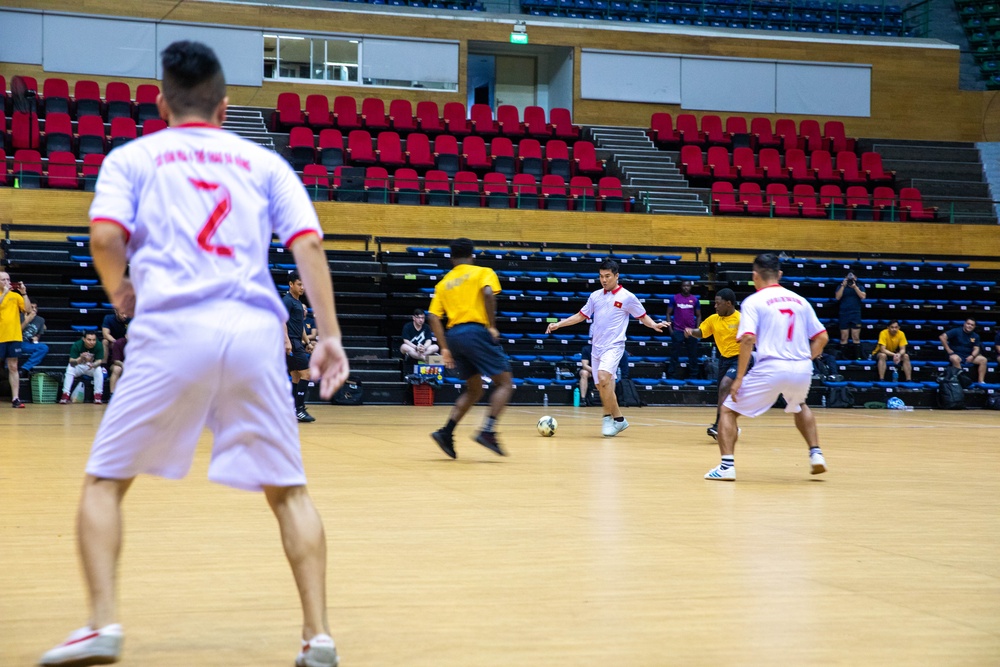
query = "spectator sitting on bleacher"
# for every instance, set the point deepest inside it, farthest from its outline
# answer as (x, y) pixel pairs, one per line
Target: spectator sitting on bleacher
(850, 295)
(113, 330)
(892, 341)
(32, 328)
(86, 358)
(12, 305)
(962, 345)
(418, 340)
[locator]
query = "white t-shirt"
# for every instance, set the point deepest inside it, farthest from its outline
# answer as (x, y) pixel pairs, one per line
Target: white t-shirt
(200, 205)
(609, 312)
(783, 322)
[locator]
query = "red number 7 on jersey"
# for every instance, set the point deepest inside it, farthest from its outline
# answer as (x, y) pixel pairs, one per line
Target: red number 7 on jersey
(219, 213)
(791, 323)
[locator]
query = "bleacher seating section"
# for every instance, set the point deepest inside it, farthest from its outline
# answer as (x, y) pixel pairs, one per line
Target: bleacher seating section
(378, 289)
(981, 22)
(814, 16)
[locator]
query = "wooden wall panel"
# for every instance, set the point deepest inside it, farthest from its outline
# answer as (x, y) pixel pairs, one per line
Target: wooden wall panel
(915, 91)
(70, 208)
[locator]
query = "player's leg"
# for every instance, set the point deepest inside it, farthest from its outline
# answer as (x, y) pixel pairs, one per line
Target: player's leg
(606, 389)
(98, 374)
(955, 360)
(727, 434)
(907, 368)
(116, 372)
(99, 541)
(980, 362)
(409, 350)
(805, 422)
(15, 381)
(584, 385)
(880, 361)
(503, 389)
(431, 348)
(304, 542)
(71, 374)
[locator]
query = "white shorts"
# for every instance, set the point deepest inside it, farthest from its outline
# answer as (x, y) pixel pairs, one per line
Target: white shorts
(220, 365)
(766, 381)
(607, 359)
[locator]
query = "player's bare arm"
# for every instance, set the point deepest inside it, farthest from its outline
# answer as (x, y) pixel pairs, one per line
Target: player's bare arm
(328, 363)
(648, 321)
(438, 328)
(107, 247)
(576, 318)
(816, 344)
(490, 301)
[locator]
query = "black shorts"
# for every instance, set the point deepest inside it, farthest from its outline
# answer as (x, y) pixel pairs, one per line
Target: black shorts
(850, 321)
(298, 360)
(475, 352)
(728, 367)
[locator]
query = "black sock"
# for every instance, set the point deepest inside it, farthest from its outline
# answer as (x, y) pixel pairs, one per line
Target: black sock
(489, 424)
(300, 394)
(449, 428)
(620, 419)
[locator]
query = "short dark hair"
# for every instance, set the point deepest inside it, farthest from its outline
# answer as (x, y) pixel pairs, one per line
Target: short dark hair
(767, 265)
(90, 333)
(461, 248)
(418, 311)
(891, 322)
(727, 294)
(293, 276)
(609, 265)
(193, 82)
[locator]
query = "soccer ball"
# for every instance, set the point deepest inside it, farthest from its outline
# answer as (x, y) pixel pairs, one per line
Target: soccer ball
(547, 426)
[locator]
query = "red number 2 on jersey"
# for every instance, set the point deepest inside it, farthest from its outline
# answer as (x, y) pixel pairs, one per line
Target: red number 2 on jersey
(219, 213)
(791, 323)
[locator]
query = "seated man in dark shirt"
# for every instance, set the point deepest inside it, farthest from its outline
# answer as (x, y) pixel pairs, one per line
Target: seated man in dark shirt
(962, 346)
(418, 340)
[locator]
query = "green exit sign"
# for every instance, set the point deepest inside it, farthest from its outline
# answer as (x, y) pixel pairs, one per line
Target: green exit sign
(518, 38)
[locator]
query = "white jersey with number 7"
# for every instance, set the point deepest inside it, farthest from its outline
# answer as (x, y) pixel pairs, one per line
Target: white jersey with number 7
(783, 323)
(199, 205)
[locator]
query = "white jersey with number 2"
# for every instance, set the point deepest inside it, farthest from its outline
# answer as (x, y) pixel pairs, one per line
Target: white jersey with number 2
(783, 323)
(199, 205)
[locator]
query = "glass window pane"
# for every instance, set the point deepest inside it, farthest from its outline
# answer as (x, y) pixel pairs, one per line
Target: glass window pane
(293, 57)
(270, 56)
(342, 60)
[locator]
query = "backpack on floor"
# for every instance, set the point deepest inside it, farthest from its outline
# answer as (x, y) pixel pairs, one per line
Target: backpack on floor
(840, 397)
(627, 394)
(351, 393)
(950, 395)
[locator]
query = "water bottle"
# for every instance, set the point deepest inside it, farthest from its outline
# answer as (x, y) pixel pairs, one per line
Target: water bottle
(824, 401)
(576, 397)
(663, 375)
(895, 375)
(545, 400)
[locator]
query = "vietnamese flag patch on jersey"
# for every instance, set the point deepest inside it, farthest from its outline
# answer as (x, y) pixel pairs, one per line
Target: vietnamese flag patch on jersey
(618, 304)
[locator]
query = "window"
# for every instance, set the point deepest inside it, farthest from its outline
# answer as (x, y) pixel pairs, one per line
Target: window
(311, 58)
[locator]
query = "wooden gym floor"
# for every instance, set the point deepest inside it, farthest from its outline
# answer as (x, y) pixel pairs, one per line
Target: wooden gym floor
(574, 550)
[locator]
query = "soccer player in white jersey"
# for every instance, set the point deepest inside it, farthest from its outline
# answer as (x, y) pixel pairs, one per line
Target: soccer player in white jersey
(192, 210)
(788, 336)
(609, 309)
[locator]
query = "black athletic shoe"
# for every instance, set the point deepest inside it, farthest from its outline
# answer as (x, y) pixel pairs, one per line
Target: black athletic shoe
(304, 417)
(488, 439)
(713, 431)
(445, 441)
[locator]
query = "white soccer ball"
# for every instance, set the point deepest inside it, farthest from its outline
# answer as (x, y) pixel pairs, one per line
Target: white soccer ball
(547, 426)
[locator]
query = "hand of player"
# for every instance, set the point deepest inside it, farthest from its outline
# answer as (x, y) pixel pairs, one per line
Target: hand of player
(124, 298)
(687, 332)
(552, 327)
(449, 362)
(734, 388)
(968, 359)
(329, 365)
(288, 347)
(895, 358)
(494, 334)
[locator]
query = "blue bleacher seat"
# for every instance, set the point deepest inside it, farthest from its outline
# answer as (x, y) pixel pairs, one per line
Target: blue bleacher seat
(83, 328)
(83, 281)
(83, 304)
(701, 383)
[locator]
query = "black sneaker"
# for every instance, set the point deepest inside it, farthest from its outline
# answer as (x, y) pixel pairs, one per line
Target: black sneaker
(713, 431)
(488, 439)
(16, 403)
(445, 441)
(304, 416)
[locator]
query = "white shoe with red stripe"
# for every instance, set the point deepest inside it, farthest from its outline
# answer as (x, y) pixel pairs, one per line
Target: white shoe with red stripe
(87, 646)
(318, 652)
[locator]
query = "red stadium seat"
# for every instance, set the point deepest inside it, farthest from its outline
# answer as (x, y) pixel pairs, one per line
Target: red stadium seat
(912, 205)
(454, 119)
(401, 117)
(585, 162)
(359, 148)
(662, 132)
(525, 192)
(770, 164)
(55, 96)
(481, 118)
(58, 132)
(496, 192)
(390, 150)
(554, 195)
(885, 204)
(86, 98)
(836, 140)
(718, 164)
(687, 128)
(318, 114)
(27, 170)
(529, 156)
(736, 125)
(446, 157)
(753, 199)
(151, 125)
(810, 137)
(847, 163)
(822, 165)
(581, 190)
(3, 156)
(693, 164)
(534, 123)
(287, 113)
(859, 203)
(798, 169)
(502, 156)
(871, 164)
(711, 129)
(122, 130)
(418, 151)
(62, 171)
(610, 197)
(562, 124)
(784, 129)
(91, 167)
(118, 100)
(474, 157)
(345, 113)
(316, 180)
(557, 158)
(90, 135)
(805, 196)
(145, 102)
(428, 119)
(509, 121)
(833, 202)
(746, 168)
(302, 148)
(406, 187)
(466, 189)
(437, 188)
(724, 201)
(24, 131)
(377, 185)
(331, 149)
(763, 137)
(781, 202)
(373, 114)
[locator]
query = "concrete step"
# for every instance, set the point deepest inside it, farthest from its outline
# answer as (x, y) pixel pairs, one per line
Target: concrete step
(942, 188)
(654, 183)
(946, 171)
(929, 153)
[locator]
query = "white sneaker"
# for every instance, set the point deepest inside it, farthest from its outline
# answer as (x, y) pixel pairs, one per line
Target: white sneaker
(818, 463)
(619, 426)
(87, 646)
(608, 426)
(318, 652)
(717, 473)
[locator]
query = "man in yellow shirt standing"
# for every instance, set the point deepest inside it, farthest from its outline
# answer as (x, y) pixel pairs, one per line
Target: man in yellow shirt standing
(12, 305)
(723, 326)
(465, 297)
(892, 342)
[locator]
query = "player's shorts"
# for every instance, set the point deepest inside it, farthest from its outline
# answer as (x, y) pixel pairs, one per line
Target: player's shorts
(475, 352)
(769, 379)
(230, 378)
(607, 359)
(298, 360)
(728, 367)
(850, 321)
(10, 350)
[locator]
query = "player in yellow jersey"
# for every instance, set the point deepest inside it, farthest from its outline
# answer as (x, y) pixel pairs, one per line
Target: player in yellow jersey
(465, 297)
(722, 326)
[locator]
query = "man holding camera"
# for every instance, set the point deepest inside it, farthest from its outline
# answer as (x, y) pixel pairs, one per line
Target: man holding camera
(850, 295)
(13, 301)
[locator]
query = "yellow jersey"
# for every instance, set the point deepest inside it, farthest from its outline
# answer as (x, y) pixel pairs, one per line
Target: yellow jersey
(724, 329)
(890, 343)
(10, 317)
(459, 294)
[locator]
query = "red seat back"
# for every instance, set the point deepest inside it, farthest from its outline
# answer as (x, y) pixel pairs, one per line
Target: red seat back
(318, 111)
(401, 116)
(428, 118)
(373, 113)
(62, 171)
(455, 120)
(359, 145)
(418, 151)
(153, 125)
(345, 113)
